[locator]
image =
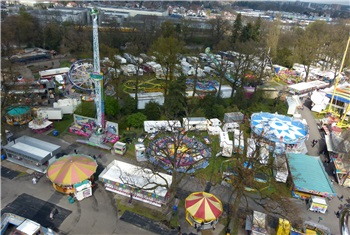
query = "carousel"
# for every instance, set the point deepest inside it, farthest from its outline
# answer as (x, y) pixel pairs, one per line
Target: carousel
(277, 128)
(19, 115)
(73, 174)
(203, 210)
(40, 125)
(189, 154)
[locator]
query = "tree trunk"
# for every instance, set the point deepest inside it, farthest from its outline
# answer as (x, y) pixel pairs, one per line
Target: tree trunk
(195, 81)
(234, 222)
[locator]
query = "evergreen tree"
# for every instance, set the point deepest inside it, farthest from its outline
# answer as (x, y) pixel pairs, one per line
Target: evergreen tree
(175, 102)
(237, 28)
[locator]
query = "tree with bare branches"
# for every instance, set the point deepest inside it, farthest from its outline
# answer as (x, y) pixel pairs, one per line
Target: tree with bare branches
(249, 177)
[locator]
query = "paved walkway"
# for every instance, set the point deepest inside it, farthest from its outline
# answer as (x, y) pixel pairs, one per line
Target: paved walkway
(329, 219)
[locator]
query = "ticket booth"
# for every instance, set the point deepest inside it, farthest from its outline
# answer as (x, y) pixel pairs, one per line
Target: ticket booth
(119, 148)
(318, 204)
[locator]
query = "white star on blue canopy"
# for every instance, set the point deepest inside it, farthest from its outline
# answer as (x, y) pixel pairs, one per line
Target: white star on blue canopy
(279, 128)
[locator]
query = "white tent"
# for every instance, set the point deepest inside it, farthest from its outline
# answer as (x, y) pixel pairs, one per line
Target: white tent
(320, 101)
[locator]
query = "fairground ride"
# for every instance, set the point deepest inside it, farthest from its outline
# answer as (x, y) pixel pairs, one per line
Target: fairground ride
(330, 108)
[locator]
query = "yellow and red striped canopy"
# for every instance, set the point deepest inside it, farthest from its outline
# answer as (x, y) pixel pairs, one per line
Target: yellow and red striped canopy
(71, 169)
(204, 206)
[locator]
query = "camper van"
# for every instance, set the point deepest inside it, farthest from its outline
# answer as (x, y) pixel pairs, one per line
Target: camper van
(230, 127)
(213, 126)
(195, 124)
(156, 126)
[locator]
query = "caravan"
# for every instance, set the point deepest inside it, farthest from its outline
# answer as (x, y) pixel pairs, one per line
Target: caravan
(226, 144)
(230, 127)
(213, 126)
(195, 124)
(156, 126)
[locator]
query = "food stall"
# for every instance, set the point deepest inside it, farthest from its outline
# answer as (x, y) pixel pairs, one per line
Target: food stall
(318, 204)
(119, 148)
(144, 185)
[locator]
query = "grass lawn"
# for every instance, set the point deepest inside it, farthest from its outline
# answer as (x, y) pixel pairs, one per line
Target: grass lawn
(65, 63)
(63, 125)
(318, 115)
(138, 208)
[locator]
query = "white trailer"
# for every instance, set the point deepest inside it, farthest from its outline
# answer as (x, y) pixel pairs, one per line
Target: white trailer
(251, 149)
(224, 138)
(226, 144)
(264, 153)
(144, 98)
(213, 122)
(214, 126)
(68, 106)
(155, 126)
(195, 124)
(186, 67)
(238, 141)
(214, 130)
(280, 169)
(230, 127)
(50, 113)
(121, 59)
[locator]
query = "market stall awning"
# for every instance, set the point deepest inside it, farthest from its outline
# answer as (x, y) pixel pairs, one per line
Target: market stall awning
(203, 206)
(309, 175)
(71, 169)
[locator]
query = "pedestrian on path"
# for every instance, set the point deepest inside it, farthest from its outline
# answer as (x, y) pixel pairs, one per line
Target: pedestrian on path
(179, 229)
(337, 214)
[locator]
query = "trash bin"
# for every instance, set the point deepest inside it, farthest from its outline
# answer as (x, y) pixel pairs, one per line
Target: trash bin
(3, 156)
(55, 133)
(70, 199)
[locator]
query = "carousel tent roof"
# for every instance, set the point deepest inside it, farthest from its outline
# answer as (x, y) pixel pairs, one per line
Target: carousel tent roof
(308, 173)
(279, 128)
(204, 206)
(71, 169)
(136, 177)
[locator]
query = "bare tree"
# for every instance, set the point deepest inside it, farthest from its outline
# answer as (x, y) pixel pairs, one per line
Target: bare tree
(249, 177)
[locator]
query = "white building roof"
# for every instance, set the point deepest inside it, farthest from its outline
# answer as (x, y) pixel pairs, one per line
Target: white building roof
(136, 177)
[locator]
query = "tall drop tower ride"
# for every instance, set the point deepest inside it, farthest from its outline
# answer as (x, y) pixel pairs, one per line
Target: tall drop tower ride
(97, 75)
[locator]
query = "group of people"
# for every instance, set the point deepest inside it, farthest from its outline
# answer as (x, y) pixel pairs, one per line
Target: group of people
(199, 228)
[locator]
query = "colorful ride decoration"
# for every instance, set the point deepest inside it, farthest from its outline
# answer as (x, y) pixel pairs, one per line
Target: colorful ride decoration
(82, 130)
(19, 115)
(69, 170)
(40, 125)
(202, 85)
(202, 208)
(191, 154)
(279, 128)
(143, 86)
